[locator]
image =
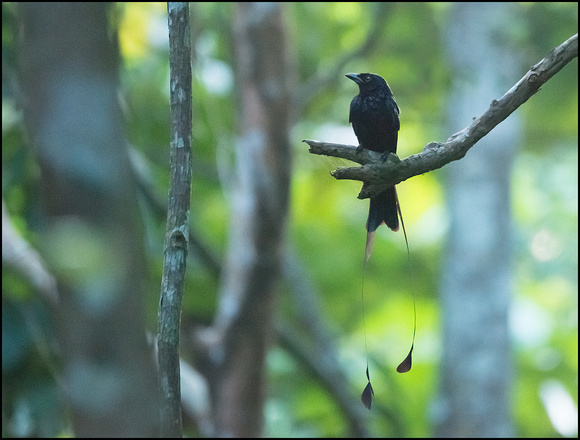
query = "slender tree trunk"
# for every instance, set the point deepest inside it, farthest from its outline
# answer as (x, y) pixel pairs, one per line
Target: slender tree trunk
(90, 235)
(177, 226)
(476, 370)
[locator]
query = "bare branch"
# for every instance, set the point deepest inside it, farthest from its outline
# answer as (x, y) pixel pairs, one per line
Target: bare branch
(176, 238)
(18, 254)
(378, 173)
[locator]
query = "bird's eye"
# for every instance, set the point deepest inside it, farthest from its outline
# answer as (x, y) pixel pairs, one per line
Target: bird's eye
(367, 78)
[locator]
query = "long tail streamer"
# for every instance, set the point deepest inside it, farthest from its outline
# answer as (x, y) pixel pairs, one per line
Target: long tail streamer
(405, 366)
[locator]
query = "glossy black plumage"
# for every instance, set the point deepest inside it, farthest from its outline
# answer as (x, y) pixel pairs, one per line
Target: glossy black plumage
(374, 115)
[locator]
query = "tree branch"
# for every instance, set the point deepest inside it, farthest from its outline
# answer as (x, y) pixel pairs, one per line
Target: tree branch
(379, 174)
(20, 255)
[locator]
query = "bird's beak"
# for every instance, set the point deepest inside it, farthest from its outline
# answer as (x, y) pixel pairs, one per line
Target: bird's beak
(354, 77)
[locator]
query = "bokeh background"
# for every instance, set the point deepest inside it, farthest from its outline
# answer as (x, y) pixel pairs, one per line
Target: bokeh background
(409, 45)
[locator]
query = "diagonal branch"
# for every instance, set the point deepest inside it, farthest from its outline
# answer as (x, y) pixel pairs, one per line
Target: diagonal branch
(379, 174)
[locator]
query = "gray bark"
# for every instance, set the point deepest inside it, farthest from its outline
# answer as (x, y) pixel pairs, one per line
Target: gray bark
(177, 227)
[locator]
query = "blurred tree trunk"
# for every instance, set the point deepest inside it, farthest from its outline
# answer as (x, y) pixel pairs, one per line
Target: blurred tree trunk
(242, 329)
(476, 370)
(90, 234)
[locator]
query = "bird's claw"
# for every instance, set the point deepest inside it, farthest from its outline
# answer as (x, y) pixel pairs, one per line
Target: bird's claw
(386, 156)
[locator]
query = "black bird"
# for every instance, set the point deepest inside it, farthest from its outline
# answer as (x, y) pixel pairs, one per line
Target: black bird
(374, 115)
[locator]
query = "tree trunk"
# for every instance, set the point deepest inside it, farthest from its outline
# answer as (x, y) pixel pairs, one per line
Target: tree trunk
(177, 227)
(260, 195)
(90, 235)
(476, 370)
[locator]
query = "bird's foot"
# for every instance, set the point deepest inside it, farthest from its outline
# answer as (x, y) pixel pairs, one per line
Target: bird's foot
(388, 156)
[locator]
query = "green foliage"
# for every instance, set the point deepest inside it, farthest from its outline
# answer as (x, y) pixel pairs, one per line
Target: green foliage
(326, 226)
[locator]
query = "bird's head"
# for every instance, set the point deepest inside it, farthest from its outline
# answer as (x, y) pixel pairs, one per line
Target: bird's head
(367, 82)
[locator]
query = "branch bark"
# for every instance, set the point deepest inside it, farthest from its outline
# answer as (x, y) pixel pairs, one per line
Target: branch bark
(379, 174)
(177, 229)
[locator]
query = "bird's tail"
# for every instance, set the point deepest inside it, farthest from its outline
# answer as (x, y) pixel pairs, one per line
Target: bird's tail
(383, 209)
